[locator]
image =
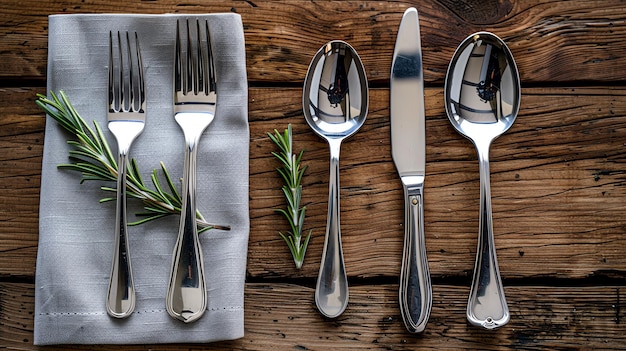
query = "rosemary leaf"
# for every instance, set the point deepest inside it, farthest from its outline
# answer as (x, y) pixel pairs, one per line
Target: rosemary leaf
(134, 172)
(149, 218)
(170, 184)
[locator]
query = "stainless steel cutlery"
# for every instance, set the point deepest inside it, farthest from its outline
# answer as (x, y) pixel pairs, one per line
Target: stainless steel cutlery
(126, 119)
(408, 147)
(335, 102)
(195, 99)
(482, 96)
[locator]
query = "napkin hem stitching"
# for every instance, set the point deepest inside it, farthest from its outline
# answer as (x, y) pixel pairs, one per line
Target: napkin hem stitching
(62, 314)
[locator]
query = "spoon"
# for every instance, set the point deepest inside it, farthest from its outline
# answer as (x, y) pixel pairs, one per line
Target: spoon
(334, 101)
(482, 96)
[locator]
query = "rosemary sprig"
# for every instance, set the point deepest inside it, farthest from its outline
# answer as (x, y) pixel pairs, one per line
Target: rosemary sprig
(291, 172)
(92, 157)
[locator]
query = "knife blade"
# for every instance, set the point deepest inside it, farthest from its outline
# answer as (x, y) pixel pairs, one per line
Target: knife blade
(408, 148)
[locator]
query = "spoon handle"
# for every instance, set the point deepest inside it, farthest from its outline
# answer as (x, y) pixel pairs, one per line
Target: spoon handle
(487, 305)
(331, 291)
(415, 287)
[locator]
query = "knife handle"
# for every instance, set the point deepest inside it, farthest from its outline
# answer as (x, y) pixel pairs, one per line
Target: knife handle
(415, 293)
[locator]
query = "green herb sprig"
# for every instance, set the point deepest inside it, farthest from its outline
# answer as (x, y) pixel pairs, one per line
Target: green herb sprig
(292, 172)
(92, 157)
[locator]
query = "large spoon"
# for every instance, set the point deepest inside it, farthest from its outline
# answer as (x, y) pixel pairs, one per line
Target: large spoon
(482, 96)
(335, 102)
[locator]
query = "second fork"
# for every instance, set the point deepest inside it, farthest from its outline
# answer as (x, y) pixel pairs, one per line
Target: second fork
(194, 108)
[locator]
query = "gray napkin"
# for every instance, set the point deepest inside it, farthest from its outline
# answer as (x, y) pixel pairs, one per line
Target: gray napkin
(76, 231)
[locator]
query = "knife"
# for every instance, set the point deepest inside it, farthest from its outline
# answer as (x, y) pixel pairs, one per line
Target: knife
(408, 148)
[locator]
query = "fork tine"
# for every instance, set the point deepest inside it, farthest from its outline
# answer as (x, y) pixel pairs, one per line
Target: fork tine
(178, 64)
(120, 71)
(116, 75)
(139, 99)
(111, 75)
(179, 73)
(212, 84)
(128, 84)
(192, 68)
(200, 54)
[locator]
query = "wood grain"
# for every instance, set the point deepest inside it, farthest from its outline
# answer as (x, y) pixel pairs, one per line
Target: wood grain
(21, 142)
(283, 317)
(552, 184)
(573, 41)
(558, 176)
(557, 186)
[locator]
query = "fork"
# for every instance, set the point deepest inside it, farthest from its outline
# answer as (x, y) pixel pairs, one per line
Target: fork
(194, 108)
(126, 118)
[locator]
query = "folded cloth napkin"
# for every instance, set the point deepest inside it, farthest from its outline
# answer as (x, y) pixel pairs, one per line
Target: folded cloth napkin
(76, 231)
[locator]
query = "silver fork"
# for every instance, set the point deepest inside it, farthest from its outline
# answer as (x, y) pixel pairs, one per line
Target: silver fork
(126, 118)
(194, 108)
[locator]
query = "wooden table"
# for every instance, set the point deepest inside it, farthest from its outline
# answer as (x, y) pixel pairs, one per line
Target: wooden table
(558, 175)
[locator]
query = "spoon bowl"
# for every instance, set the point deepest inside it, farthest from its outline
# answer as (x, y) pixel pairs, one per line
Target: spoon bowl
(335, 97)
(482, 91)
(334, 101)
(482, 96)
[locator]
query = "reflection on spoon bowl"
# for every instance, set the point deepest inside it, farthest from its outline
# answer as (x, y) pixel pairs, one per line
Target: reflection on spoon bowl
(482, 96)
(334, 102)
(335, 91)
(482, 87)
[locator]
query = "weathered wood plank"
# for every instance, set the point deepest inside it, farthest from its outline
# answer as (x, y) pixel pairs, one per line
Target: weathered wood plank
(557, 185)
(553, 41)
(283, 317)
(21, 142)
(558, 176)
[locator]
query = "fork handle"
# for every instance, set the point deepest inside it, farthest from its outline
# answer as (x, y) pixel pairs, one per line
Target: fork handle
(121, 293)
(186, 295)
